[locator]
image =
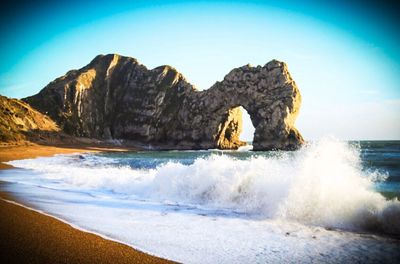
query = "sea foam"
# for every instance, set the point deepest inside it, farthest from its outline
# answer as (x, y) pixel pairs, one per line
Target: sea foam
(323, 184)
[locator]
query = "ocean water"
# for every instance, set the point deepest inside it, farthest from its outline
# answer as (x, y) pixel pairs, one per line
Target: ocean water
(329, 202)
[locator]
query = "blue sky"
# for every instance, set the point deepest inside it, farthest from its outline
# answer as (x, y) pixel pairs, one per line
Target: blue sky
(345, 57)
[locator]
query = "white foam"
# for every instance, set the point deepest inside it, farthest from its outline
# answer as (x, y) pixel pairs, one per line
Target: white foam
(322, 184)
(219, 203)
(245, 148)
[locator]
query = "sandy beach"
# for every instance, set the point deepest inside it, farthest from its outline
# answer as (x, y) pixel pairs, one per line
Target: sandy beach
(16, 152)
(31, 237)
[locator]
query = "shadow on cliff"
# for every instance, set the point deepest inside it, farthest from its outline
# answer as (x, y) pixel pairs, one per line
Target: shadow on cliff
(116, 97)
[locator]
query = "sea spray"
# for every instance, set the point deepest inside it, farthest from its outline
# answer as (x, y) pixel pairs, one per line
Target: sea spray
(323, 184)
(331, 189)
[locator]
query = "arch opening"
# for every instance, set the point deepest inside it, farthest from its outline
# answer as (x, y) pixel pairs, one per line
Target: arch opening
(247, 133)
(230, 135)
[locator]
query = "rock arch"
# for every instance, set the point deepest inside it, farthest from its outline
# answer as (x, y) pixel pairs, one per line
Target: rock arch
(116, 97)
(269, 95)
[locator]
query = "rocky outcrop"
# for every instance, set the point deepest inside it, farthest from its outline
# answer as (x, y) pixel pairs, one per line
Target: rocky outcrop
(115, 97)
(19, 122)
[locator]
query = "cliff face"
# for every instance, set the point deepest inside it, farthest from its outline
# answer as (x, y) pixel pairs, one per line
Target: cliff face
(19, 122)
(115, 97)
(112, 97)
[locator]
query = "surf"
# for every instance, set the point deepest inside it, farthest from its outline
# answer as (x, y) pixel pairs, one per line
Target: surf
(323, 184)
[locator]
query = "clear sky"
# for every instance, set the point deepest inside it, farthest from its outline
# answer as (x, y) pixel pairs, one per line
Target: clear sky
(344, 55)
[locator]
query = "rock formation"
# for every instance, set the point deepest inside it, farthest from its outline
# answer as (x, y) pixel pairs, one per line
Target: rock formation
(19, 122)
(115, 97)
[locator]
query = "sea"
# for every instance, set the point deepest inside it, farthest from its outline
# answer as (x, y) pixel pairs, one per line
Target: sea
(331, 201)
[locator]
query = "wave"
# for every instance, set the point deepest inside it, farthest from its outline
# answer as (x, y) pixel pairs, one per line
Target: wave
(322, 184)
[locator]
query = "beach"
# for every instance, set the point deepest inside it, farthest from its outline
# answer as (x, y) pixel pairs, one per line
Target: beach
(30, 150)
(202, 206)
(28, 236)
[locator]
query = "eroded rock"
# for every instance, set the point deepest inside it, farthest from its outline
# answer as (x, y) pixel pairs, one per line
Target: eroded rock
(115, 97)
(19, 122)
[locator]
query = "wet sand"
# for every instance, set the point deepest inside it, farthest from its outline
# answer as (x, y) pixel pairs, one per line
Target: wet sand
(27, 236)
(8, 153)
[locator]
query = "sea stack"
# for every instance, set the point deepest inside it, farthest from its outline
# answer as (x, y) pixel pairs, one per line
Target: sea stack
(116, 97)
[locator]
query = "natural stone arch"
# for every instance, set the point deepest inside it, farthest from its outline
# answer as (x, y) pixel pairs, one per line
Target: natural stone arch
(116, 97)
(269, 95)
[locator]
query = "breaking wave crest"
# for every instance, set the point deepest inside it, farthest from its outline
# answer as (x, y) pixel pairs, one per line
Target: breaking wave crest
(322, 184)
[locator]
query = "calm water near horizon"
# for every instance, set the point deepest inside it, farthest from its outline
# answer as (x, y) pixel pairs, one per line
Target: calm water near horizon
(330, 201)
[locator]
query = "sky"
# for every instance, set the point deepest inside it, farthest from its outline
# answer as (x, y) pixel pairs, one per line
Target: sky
(343, 55)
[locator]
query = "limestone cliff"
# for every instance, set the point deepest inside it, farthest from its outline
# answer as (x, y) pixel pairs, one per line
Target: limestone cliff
(115, 97)
(19, 122)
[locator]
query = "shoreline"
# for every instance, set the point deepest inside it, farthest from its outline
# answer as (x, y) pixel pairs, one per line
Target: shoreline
(31, 236)
(29, 151)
